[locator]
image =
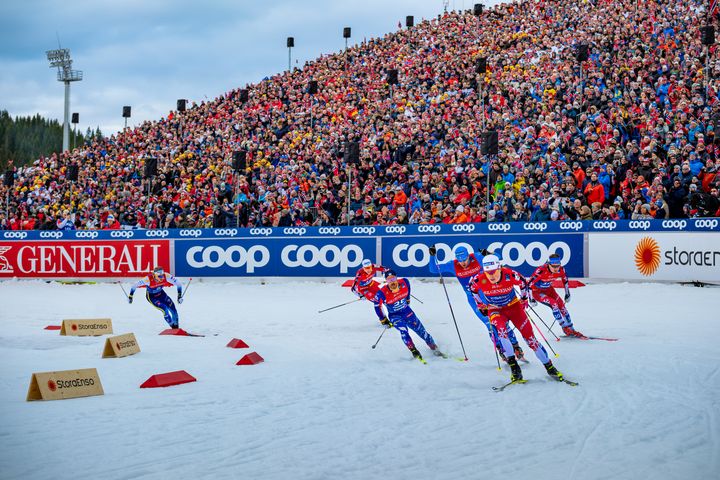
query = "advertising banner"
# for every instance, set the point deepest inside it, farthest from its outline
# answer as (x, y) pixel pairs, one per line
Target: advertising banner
(409, 256)
(655, 256)
(308, 257)
(98, 259)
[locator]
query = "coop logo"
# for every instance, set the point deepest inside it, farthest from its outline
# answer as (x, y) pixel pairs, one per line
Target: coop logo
(5, 266)
(395, 229)
(541, 227)
(364, 230)
(18, 235)
(604, 225)
(88, 234)
(571, 226)
(639, 224)
(647, 256)
(193, 232)
(513, 254)
(499, 227)
(464, 227)
(51, 234)
(294, 231)
(228, 232)
(678, 224)
(706, 223)
(329, 230)
(257, 231)
(156, 233)
(429, 228)
(122, 234)
(329, 256)
(235, 256)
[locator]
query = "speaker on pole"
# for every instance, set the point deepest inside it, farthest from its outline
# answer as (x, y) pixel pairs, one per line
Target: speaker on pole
(392, 77)
(481, 66)
(290, 42)
(346, 32)
(75, 118)
(489, 143)
(72, 173)
(352, 153)
(243, 95)
(409, 21)
(312, 87)
(9, 178)
(583, 52)
(126, 112)
(240, 160)
(707, 35)
(478, 9)
(150, 167)
(181, 105)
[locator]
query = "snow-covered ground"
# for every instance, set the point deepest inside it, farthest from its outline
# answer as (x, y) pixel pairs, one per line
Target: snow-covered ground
(325, 405)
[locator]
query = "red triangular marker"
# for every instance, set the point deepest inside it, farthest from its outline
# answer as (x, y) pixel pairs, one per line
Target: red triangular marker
(53, 327)
(168, 379)
(252, 358)
(237, 343)
(174, 331)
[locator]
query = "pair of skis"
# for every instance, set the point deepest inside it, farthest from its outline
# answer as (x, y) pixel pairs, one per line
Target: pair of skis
(514, 382)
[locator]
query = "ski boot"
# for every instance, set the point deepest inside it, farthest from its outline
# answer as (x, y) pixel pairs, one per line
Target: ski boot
(571, 332)
(553, 372)
(385, 322)
(436, 351)
(515, 372)
(416, 354)
(174, 326)
(519, 354)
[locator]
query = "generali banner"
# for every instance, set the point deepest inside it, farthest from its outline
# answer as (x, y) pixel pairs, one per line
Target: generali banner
(679, 257)
(96, 259)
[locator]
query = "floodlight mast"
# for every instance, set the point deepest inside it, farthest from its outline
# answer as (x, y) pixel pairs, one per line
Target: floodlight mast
(60, 58)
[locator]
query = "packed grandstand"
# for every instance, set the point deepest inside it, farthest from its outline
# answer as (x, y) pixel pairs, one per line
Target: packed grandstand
(631, 135)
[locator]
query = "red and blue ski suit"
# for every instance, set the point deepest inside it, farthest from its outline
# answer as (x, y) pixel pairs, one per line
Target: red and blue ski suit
(157, 296)
(366, 286)
(464, 275)
(504, 306)
(541, 288)
(401, 315)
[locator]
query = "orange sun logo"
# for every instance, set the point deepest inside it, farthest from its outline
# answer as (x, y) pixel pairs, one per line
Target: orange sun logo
(647, 256)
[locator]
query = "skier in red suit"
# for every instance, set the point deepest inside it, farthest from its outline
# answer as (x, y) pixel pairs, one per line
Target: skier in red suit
(365, 286)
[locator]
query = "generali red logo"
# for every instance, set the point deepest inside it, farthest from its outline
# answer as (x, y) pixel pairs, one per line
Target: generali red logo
(52, 385)
(647, 256)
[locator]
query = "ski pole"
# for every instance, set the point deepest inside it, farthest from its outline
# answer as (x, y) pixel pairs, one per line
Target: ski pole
(495, 342)
(381, 335)
(442, 281)
(542, 335)
(123, 289)
(543, 322)
(342, 304)
(186, 288)
(413, 296)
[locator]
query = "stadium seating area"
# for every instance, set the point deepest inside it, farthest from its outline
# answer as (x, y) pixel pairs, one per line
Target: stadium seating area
(631, 136)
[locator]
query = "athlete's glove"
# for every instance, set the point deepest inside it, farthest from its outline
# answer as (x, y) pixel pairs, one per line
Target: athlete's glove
(567, 297)
(180, 299)
(532, 301)
(432, 250)
(484, 252)
(130, 298)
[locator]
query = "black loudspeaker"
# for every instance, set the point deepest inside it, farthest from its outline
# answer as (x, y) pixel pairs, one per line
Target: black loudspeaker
(478, 9)
(290, 42)
(481, 65)
(583, 52)
(352, 153)
(392, 77)
(707, 35)
(72, 173)
(75, 118)
(126, 112)
(150, 167)
(240, 160)
(346, 32)
(243, 95)
(409, 21)
(312, 87)
(181, 104)
(489, 143)
(9, 178)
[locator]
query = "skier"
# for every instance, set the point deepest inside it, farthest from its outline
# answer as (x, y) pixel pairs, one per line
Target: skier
(365, 286)
(395, 294)
(464, 267)
(495, 287)
(157, 296)
(542, 291)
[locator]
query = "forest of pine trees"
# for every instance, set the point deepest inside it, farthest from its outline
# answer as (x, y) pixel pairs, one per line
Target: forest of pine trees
(25, 139)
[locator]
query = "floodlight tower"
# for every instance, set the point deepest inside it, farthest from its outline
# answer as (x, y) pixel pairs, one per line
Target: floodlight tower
(61, 59)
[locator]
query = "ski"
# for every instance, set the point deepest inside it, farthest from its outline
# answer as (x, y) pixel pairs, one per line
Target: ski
(565, 380)
(585, 337)
(421, 360)
(503, 387)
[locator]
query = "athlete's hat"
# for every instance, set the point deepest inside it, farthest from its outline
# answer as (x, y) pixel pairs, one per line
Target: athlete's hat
(554, 259)
(390, 273)
(490, 263)
(461, 254)
(158, 271)
(366, 263)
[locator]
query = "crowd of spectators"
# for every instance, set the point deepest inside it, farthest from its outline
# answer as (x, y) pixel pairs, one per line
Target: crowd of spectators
(627, 134)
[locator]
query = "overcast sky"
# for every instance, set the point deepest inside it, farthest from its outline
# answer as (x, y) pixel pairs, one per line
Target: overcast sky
(149, 53)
